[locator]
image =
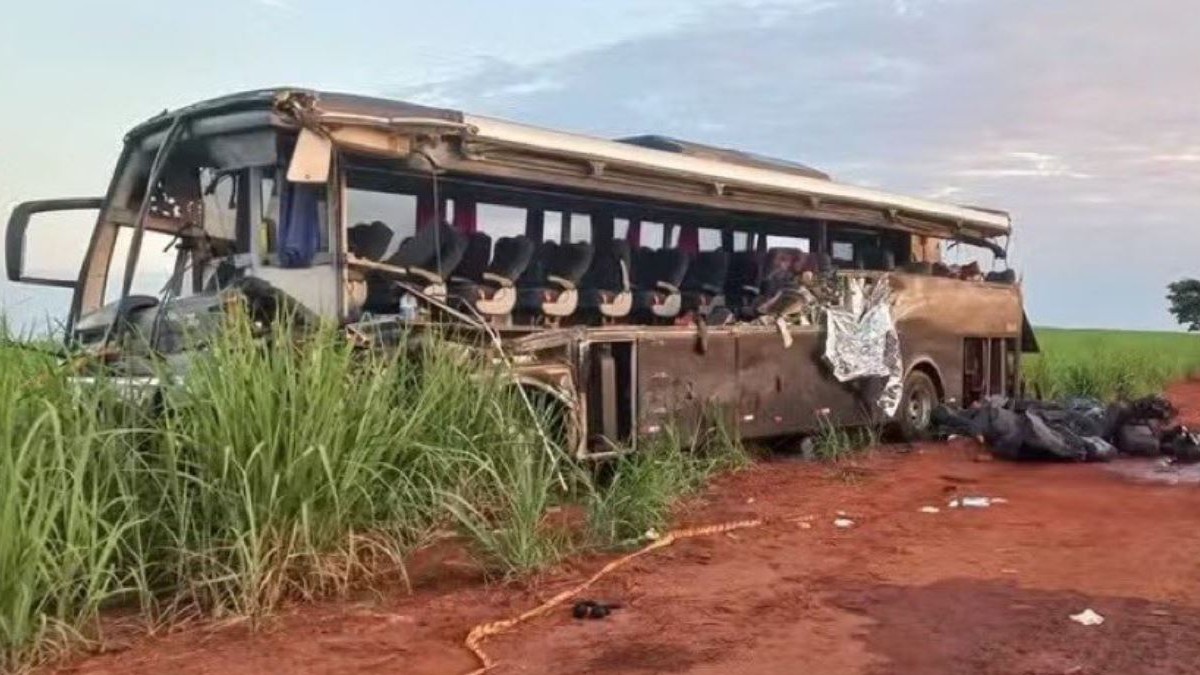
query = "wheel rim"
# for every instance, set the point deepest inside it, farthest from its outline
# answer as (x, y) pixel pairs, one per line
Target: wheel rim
(920, 408)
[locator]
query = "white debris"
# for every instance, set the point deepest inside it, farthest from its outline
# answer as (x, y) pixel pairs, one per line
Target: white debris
(651, 534)
(976, 502)
(999, 500)
(843, 523)
(953, 504)
(1087, 618)
(805, 525)
(930, 509)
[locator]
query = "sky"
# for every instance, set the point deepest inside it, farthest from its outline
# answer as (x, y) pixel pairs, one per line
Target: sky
(1081, 117)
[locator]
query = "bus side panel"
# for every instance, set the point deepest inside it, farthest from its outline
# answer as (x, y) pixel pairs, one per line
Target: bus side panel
(781, 388)
(675, 381)
(934, 314)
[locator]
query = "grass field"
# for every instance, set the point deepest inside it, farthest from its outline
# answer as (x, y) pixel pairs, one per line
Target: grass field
(301, 472)
(1109, 364)
(281, 474)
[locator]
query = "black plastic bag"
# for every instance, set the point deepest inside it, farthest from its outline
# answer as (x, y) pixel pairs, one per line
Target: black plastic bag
(1139, 440)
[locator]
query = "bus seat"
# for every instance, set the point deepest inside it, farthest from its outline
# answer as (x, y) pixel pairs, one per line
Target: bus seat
(427, 258)
(432, 253)
(641, 261)
(474, 261)
(658, 291)
(875, 258)
(704, 285)
(495, 293)
(369, 241)
(607, 286)
(561, 267)
(742, 282)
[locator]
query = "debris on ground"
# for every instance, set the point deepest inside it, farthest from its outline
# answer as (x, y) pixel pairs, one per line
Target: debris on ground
(1075, 429)
(1087, 617)
(843, 523)
(590, 609)
(930, 509)
(976, 502)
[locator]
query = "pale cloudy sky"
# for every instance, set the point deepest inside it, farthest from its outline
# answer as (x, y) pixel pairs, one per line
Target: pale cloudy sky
(1082, 117)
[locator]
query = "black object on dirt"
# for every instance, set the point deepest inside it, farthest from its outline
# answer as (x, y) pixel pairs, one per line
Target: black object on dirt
(1139, 440)
(590, 609)
(1182, 444)
(1077, 429)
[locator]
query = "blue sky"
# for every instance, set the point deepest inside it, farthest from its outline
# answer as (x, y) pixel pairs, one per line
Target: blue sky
(1082, 117)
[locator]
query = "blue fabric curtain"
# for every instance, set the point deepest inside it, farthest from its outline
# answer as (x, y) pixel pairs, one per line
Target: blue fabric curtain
(300, 223)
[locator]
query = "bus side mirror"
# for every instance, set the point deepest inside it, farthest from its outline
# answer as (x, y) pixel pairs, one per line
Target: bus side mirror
(18, 223)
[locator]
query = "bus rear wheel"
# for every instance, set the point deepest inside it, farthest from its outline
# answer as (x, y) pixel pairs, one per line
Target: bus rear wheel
(915, 414)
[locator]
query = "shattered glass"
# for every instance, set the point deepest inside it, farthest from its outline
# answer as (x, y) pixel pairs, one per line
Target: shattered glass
(861, 340)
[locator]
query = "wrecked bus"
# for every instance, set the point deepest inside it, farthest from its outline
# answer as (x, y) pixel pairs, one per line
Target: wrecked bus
(639, 282)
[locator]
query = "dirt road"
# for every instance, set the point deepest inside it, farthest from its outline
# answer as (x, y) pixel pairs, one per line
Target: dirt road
(966, 590)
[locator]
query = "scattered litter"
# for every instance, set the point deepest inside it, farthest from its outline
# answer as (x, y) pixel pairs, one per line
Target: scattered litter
(805, 525)
(976, 502)
(750, 500)
(843, 523)
(842, 514)
(930, 509)
(999, 500)
(590, 609)
(651, 534)
(953, 504)
(1087, 618)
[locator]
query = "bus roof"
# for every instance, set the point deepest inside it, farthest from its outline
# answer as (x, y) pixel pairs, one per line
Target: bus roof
(661, 159)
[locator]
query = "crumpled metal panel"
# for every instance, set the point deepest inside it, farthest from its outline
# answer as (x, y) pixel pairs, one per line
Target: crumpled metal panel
(861, 340)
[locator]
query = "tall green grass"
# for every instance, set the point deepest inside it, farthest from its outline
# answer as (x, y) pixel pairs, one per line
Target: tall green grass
(285, 469)
(636, 493)
(1109, 364)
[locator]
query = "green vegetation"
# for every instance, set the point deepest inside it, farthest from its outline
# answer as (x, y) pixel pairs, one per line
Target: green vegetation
(1109, 364)
(636, 495)
(287, 472)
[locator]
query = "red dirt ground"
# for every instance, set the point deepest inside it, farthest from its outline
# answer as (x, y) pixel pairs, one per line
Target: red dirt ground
(959, 591)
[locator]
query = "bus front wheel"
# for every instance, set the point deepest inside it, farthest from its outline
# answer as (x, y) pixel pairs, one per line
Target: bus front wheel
(920, 397)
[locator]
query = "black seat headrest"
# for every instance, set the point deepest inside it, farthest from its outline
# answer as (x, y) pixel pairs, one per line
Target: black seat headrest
(369, 240)
(541, 264)
(437, 249)
(707, 272)
(744, 270)
(476, 257)
(572, 261)
(606, 271)
(512, 257)
(670, 265)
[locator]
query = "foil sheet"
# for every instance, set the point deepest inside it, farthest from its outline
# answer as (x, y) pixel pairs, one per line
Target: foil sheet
(861, 340)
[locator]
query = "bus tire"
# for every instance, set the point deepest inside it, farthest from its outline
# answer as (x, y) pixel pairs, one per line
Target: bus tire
(915, 414)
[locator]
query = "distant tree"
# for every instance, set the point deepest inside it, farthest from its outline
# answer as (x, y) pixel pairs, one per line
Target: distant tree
(1185, 302)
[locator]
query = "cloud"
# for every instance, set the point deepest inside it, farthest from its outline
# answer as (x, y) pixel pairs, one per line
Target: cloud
(1183, 158)
(1035, 109)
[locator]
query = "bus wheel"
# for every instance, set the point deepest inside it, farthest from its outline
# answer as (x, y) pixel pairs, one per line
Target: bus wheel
(920, 397)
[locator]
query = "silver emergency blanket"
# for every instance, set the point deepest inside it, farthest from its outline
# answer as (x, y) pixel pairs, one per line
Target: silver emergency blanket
(861, 339)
